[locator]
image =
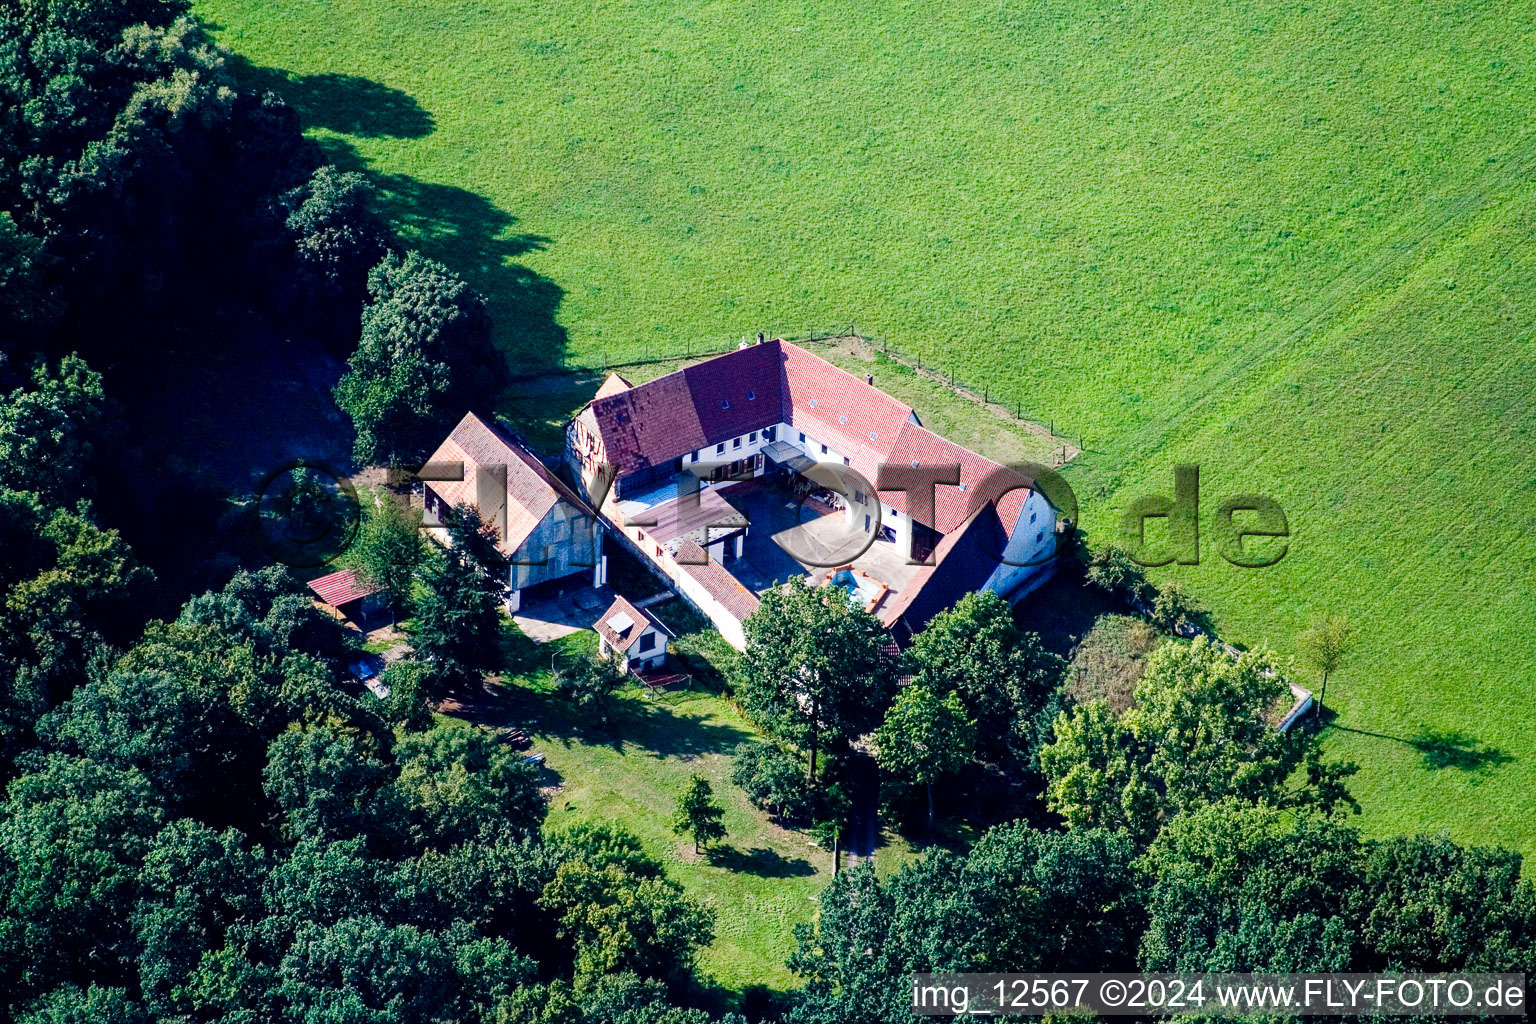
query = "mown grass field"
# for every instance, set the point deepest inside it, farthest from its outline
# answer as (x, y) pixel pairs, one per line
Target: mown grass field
(1290, 242)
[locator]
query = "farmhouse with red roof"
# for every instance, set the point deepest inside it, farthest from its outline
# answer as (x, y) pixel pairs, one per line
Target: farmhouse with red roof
(732, 474)
(551, 538)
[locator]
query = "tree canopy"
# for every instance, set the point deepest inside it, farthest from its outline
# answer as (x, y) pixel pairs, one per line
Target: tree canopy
(1202, 729)
(423, 358)
(814, 672)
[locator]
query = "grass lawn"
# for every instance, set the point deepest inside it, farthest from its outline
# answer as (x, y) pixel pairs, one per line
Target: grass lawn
(761, 880)
(1292, 243)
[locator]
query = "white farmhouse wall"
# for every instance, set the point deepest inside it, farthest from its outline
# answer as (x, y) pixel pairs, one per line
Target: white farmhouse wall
(1034, 541)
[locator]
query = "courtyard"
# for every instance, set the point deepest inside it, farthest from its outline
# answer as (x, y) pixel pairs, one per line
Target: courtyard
(787, 538)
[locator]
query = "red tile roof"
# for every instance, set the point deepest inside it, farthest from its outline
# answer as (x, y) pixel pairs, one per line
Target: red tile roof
(962, 562)
(702, 405)
(717, 581)
(532, 489)
(613, 385)
(639, 623)
(341, 588)
(708, 403)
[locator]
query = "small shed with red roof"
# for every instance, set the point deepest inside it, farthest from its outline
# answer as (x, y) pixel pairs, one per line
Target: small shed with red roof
(349, 595)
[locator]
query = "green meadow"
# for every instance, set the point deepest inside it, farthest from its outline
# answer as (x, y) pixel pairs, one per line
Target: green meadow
(1292, 243)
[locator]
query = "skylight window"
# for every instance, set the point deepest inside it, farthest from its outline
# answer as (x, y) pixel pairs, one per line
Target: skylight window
(914, 463)
(813, 403)
(842, 419)
(874, 436)
(751, 396)
(725, 403)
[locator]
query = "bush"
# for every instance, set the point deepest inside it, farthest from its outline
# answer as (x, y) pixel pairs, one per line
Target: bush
(774, 781)
(590, 684)
(1173, 608)
(1141, 637)
(1114, 571)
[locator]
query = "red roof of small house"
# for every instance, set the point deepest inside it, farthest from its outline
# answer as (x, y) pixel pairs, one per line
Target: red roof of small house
(622, 624)
(341, 588)
(532, 490)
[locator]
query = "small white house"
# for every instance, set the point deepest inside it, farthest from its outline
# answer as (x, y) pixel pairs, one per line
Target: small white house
(636, 640)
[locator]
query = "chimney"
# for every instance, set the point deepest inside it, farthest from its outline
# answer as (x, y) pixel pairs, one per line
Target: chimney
(869, 379)
(759, 337)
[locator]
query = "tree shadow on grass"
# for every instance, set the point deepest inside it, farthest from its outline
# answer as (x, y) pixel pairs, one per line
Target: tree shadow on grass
(759, 861)
(638, 725)
(348, 104)
(459, 228)
(1440, 748)
(469, 233)
(1451, 748)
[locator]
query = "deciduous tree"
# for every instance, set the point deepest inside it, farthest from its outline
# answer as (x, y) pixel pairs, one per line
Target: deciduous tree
(814, 672)
(925, 737)
(423, 358)
(1324, 645)
(698, 815)
(388, 548)
(1002, 675)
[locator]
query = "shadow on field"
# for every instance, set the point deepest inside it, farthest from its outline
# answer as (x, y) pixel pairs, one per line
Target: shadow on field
(760, 861)
(341, 103)
(1441, 748)
(470, 234)
(632, 725)
(456, 227)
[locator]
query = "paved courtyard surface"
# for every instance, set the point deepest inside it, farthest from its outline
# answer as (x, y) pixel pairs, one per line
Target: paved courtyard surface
(786, 539)
(571, 613)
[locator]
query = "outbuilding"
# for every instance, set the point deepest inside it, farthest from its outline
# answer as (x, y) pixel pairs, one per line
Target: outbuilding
(628, 634)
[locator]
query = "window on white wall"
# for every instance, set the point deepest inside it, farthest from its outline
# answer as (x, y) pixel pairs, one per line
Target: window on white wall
(752, 437)
(647, 642)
